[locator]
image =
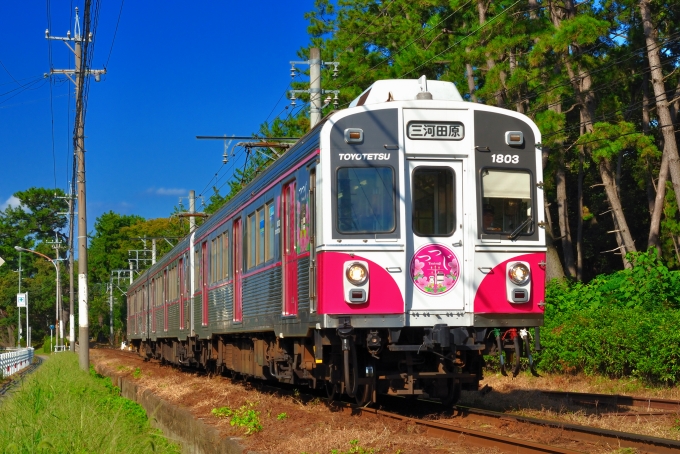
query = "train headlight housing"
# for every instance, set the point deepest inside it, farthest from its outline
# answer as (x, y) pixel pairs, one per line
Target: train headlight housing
(519, 273)
(357, 274)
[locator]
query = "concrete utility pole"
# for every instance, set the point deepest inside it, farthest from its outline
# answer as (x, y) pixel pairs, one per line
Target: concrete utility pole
(315, 91)
(19, 308)
(192, 210)
(71, 313)
(60, 310)
(80, 72)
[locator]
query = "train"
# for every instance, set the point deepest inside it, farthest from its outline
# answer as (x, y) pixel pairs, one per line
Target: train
(387, 252)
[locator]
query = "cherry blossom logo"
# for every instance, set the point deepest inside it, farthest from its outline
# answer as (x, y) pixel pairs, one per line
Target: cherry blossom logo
(435, 269)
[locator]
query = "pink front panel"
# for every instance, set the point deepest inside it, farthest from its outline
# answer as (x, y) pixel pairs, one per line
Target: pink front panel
(384, 296)
(491, 296)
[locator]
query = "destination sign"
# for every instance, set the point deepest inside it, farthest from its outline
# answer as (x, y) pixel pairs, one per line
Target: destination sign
(435, 130)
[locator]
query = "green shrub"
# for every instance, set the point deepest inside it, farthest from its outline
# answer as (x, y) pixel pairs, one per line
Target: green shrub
(618, 325)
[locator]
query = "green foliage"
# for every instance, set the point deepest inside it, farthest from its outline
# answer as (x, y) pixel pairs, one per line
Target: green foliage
(60, 408)
(618, 325)
(137, 373)
(245, 416)
(282, 416)
(354, 449)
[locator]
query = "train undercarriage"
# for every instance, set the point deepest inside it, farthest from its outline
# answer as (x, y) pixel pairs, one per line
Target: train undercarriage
(420, 363)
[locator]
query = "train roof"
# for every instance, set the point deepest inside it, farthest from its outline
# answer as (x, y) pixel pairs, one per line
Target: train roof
(406, 90)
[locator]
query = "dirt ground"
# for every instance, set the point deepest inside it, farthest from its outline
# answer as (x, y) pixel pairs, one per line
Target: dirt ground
(293, 426)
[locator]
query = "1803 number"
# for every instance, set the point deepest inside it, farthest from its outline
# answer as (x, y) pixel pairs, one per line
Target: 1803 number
(505, 158)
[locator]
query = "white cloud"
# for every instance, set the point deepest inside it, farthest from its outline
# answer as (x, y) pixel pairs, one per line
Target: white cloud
(12, 201)
(168, 191)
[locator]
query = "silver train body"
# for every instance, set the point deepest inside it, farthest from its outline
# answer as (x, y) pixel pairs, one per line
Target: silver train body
(385, 253)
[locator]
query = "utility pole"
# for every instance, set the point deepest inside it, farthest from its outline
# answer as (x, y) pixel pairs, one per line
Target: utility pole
(60, 310)
(120, 274)
(19, 307)
(80, 72)
(315, 91)
(71, 312)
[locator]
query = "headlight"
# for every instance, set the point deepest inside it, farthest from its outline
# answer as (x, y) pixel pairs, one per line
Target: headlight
(519, 273)
(357, 274)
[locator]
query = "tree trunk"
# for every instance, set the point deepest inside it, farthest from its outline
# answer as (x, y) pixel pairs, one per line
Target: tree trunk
(563, 217)
(670, 148)
(579, 225)
(625, 239)
(554, 269)
(654, 238)
(469, 74)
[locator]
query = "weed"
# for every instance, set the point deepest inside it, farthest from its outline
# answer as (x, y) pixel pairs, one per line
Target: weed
(137, 373)
(282, 416)
(354, 449)
(245, 416)
(676, 425)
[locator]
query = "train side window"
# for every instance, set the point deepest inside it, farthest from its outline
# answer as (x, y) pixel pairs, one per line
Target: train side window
(434, 207)
(365, 200)
(260, 235)
(225, 254)
(251, 243)
(506, 201)
(270, 227)
(197, 268)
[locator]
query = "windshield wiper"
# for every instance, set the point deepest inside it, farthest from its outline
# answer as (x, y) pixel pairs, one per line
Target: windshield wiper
(513, 236)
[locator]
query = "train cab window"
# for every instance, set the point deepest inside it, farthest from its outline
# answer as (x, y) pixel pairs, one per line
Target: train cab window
(434, 210)
(365, 200)
(506, 202)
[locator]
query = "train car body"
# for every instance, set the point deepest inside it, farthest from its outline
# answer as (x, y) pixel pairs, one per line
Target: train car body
(384, 253)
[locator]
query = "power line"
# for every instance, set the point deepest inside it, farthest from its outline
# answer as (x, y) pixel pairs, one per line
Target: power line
(122, 2)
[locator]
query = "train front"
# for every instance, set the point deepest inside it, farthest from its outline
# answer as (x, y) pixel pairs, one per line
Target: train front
(416, 282)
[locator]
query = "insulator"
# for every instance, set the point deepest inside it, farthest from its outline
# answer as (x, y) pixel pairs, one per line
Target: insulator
(292, 71)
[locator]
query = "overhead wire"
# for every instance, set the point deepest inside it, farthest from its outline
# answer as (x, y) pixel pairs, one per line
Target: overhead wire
(115, 33)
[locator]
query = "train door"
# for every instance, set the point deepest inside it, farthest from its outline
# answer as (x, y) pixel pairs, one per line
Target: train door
(182, 287)
(435, 230)
(312, 240)
(238, 271)
(289, 233)
(204, 282)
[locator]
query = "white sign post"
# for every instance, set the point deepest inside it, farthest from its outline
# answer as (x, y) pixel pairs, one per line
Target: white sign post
(22, 301)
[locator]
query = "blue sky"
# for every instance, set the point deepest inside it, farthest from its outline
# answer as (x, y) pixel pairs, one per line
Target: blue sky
(176, 70)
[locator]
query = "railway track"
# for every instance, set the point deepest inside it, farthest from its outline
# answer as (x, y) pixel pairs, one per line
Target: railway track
(571, 438)
(617, 400)
(17, 378)
(567, 432)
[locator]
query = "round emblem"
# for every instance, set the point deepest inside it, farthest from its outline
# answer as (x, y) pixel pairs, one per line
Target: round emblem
(435, 269)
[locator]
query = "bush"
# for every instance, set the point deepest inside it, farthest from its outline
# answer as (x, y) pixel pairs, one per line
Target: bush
(618, 325)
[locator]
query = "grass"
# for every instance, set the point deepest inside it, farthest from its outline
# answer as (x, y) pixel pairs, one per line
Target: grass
(62, 409)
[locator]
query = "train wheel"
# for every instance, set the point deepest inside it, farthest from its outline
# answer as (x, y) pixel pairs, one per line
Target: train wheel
(364, 395)
(331, 390)
(453, 395)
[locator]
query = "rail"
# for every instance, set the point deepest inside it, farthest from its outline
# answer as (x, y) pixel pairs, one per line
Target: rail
(13, 362)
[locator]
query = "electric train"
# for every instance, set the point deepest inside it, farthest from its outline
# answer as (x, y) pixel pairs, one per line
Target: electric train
(386, 252)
